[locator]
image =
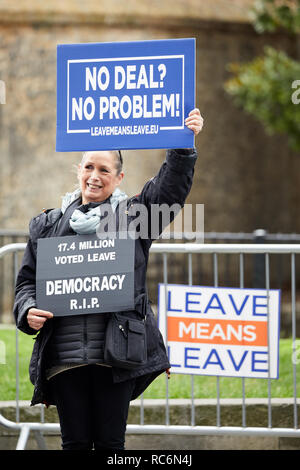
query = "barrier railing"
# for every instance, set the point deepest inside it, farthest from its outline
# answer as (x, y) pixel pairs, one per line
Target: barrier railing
(189, 249)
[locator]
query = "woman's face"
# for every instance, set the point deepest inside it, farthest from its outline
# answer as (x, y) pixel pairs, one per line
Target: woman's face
(97, 175)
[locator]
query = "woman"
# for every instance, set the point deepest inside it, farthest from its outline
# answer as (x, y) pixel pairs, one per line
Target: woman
(67, 365)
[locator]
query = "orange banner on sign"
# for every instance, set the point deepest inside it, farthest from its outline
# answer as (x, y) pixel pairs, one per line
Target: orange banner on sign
(234, 332)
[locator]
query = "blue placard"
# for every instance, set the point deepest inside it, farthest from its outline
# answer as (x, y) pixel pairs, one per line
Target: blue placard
(125, 95)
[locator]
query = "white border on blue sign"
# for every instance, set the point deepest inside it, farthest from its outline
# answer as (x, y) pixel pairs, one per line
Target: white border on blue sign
(114, 59)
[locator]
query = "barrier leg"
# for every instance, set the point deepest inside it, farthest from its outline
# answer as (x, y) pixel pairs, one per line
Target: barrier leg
(23, 438)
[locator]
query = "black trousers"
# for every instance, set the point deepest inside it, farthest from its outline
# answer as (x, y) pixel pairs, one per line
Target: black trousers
(92, 409)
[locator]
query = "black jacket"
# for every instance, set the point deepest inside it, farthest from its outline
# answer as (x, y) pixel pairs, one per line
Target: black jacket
(171, 185)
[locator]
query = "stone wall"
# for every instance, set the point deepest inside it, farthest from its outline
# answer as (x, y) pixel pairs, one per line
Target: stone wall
(245, 178)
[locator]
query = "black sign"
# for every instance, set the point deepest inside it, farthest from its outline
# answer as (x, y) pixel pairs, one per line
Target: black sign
(85, 274)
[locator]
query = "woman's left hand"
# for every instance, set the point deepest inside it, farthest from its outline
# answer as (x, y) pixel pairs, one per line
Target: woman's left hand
(194, 121)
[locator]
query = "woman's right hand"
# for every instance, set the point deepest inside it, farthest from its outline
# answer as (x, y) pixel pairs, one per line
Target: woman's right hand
(36, 318)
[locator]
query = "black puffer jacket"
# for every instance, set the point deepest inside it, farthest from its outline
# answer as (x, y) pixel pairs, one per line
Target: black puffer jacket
(171, 185)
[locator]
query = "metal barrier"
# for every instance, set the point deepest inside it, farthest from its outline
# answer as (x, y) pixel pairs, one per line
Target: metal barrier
(188, 249)
(253, 278)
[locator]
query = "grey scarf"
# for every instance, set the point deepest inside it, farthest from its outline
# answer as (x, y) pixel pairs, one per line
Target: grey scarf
(86, 223)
